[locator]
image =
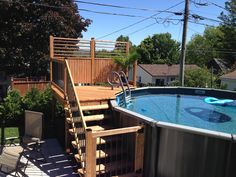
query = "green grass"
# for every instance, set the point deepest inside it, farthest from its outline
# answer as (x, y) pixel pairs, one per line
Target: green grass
(10, 132)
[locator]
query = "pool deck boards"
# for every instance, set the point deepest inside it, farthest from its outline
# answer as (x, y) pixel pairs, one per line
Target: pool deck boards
(96, 93)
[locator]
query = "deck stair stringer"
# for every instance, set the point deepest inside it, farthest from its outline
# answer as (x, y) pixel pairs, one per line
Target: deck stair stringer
(102, 149)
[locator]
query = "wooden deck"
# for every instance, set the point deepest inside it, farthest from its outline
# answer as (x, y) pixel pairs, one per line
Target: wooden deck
(96, 93)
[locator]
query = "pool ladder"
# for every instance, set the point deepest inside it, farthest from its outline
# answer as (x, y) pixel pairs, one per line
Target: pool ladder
(122, 80)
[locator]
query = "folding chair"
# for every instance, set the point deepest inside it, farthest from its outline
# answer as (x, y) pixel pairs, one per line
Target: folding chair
(32, 139)
(10, 162)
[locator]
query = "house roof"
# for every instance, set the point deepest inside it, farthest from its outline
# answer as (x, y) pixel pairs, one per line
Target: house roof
(223, 65)
(164, 69)
(231, 75)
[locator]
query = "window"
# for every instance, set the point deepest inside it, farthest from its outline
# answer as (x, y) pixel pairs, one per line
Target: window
(139, 79)
(172, 78)
(160, 82)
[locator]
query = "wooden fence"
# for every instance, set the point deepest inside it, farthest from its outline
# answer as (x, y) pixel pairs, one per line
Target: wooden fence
(90, 61)
(23, 85)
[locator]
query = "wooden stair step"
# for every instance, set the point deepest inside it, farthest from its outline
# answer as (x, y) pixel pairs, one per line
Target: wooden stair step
(110, 167)
(73, 109)
(95, 107)
(94, 129)
(97, 117)
(75, 119)
(100, 141)
(100, 154)
(129, 175)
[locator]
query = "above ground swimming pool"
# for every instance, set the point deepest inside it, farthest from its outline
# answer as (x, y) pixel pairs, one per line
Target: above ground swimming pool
(187, 110)
(189, 132)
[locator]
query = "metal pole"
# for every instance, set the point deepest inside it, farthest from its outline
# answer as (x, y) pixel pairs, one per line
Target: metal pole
(183, 47)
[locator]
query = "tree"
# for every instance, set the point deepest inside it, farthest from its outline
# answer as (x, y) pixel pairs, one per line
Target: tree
(199, 77)
(159, 48)
(25, 30)
(201, 49)
(125, 61)
(228, 27)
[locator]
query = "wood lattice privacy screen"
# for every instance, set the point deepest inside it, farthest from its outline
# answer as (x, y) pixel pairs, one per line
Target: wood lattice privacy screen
(90, 61)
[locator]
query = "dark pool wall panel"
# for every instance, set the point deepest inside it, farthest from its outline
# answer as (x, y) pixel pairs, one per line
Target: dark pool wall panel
(174, 153)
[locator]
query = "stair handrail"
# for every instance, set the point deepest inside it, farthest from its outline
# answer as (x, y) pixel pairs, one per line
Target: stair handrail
(76, 96)
(126, 81)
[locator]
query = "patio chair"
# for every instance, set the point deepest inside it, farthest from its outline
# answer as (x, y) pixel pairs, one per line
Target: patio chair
(10, 161)
(32, 139)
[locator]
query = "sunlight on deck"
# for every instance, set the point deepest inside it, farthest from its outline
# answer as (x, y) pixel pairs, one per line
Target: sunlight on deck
(91, 93)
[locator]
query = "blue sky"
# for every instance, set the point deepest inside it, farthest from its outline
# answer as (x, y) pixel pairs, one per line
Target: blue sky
(105, 24)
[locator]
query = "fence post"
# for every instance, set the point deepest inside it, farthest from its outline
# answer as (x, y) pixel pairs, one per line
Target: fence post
(51, 41)
(139, 151)
(90, 154)
(92, 55)
(65, 79)
(127, 54)
(135, 73)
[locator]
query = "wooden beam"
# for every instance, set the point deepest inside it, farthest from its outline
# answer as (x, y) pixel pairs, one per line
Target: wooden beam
(90, 155)
(117, 131)
(135, 73)
(139, 151)
(51, 55)
(92, 55)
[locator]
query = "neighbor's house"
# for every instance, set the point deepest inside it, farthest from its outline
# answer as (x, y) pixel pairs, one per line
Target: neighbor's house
(229, 80)
(159, 74)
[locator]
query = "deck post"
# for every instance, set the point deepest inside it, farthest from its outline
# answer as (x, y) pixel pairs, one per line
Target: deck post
(65, 79)
(127, 54)
(51, 54)
(139, 151)
(90, 156)
(92, 55)
(135, 73)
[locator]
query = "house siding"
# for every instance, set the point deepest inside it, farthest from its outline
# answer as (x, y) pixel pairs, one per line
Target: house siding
(231, 83)
(146, 78)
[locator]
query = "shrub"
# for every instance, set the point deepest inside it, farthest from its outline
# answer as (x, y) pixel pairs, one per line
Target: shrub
(12, 107)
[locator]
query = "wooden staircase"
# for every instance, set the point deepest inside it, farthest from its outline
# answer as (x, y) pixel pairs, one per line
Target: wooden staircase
(101, 148)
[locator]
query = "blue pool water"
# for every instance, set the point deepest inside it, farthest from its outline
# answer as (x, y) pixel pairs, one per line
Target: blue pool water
(187, 110)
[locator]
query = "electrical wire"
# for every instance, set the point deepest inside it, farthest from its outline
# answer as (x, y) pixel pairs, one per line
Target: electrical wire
(133, 24)
(123, 7)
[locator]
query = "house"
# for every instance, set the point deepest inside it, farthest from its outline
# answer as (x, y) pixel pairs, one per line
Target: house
(229, 80)
(159, 74)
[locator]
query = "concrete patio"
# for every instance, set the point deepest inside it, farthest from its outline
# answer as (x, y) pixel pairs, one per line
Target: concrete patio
(56, 162)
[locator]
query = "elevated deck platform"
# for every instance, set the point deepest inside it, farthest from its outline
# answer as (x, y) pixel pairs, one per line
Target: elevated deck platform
(96, 93)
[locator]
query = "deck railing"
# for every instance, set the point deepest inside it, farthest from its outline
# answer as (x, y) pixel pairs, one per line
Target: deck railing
(73, 101)
(90, 61)
(122, 146)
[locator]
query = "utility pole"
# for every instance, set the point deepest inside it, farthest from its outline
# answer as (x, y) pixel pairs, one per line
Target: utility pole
(183, 47)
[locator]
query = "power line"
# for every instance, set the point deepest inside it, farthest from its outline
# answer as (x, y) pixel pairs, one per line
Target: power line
(209, 51)
(207, 3)
(115, 14)
(199, 23)
(121, 29)
(124, 7)
(219, 6)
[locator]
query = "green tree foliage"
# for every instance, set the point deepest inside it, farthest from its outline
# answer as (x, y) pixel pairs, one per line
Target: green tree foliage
(122, 38)
(125, 61)
(12, 107)
(204, 48)
(159, 48)
(200, 77)
(25, 30)
(228, 27)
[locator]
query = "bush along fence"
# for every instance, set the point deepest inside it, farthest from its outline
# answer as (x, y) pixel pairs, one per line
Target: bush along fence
(24, 85)
(13, 106)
